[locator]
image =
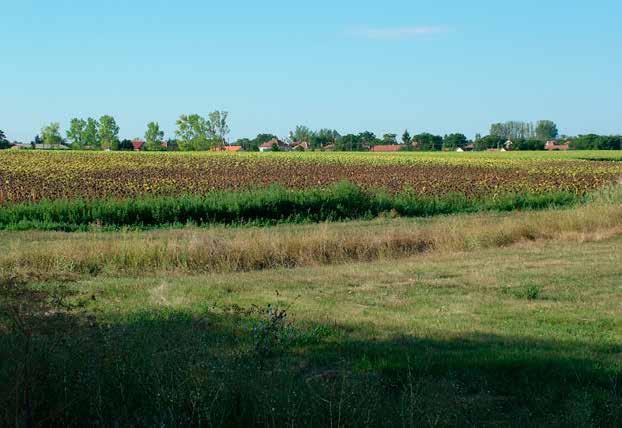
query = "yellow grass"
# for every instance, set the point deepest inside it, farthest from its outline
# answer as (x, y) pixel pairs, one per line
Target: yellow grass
(195, 250)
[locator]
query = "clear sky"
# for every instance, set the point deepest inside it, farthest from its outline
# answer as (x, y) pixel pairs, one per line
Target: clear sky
(437, 66)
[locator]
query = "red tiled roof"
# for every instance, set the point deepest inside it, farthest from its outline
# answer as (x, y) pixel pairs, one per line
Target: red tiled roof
(138, 144)
(232, 148)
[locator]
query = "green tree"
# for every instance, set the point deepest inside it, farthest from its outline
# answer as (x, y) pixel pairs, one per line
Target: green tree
(389, 139)
(512, 130)
(454, 141)
(76, 133)
(489, 142)
(322, 138)
(245, 143)
(406, 137)
(301, 134)
(91, 134)
(586, 142)
(546, 130)
(597, 142)
(4, 143)
(366, 140)
(154, 137)
(195, 133)
(530, 144)
(51, 134)
(349, 142)
(125, 145)
(35, 141)
(428, 142)
(217, 123)
(108, 132)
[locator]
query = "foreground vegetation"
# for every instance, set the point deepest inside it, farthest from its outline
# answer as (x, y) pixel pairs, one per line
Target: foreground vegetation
(463, 314)
(53, 255)
(445, 339)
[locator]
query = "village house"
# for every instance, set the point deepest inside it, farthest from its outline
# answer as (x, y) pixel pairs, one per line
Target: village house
(19, 146)
(552, 145)
(301, 146)
(138, 144)
(269, 146)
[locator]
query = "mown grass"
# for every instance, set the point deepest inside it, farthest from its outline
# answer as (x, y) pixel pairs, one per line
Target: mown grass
(343, 201)
(455, 339)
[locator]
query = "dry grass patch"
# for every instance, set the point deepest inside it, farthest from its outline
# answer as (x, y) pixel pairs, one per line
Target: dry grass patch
(197, 250)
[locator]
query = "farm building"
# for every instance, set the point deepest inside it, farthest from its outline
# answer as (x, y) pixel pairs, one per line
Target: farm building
(19, 146)
(300, 146)
(268, 146)
(138, 144)
(552, 145)
(386, 148)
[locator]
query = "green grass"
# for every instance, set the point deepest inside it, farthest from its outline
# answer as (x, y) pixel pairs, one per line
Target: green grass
(530, 335)
(343, 201)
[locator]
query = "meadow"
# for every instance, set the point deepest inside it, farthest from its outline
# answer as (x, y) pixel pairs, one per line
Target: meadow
(406, 289)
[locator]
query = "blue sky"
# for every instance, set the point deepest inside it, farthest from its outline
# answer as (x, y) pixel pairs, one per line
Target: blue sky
(441, 66)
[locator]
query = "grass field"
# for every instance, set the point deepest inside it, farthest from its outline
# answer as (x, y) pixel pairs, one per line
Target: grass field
(474, 317)
(525, 336)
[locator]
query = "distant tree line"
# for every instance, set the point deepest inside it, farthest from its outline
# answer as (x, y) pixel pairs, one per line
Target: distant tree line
(195, 132)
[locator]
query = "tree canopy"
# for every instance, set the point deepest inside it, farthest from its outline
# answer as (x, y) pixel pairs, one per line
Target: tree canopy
(597, 142)
(512, 130)
(218, 126)
(108, 132)
(489, 142)
(546, 130)
(194, 133)
(406, 137)
(154, 137)
(50, 134)
(4, 143)
(427, 141)
(76, 133)
(454, 141)
(389, 139)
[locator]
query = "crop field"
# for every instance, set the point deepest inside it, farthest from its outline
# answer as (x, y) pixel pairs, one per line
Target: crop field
(34, 176)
